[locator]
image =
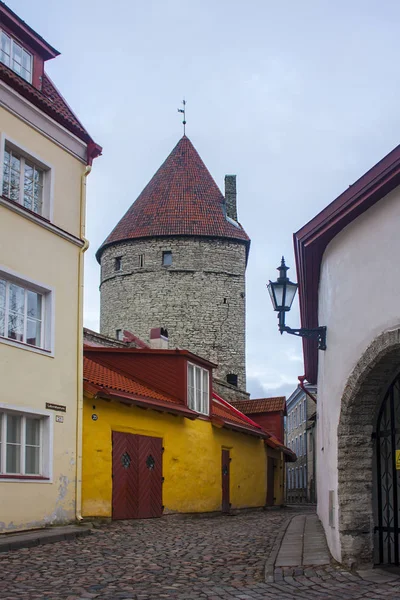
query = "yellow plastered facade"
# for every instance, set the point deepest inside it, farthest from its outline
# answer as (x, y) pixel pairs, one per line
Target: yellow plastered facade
(29, 379)
(191, 460)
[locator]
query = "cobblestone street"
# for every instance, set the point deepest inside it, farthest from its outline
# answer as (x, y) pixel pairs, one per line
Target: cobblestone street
(185, 558)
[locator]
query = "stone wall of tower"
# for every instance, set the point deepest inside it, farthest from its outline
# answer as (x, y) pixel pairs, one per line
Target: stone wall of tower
(199, 298)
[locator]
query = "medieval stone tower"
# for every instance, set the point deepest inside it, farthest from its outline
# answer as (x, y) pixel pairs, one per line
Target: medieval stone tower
(177, 259)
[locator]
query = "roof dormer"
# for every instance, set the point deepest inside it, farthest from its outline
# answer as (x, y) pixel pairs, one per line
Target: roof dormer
(21, 49)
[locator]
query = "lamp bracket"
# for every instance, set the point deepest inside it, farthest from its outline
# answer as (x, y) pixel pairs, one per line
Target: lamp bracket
(318, 333)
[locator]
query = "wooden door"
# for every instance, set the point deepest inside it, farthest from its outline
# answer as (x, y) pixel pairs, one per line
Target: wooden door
(225, 481)
(270, 481)
(136, 476)
(150, 477)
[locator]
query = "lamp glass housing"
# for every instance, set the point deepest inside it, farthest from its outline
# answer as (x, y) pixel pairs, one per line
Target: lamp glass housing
(282, 294)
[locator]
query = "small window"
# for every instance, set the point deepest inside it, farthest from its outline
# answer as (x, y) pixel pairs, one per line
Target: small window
(118, 263)
(118, 334)
(141, 261)
(198, 389)
(24, 444)
(13, 55)
(232, 378)
(167, 258)
(23, 180)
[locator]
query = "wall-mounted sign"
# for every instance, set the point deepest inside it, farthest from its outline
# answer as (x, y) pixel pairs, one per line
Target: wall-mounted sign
(397, 460)
(59, 418)
(59, 407)
(94, 417)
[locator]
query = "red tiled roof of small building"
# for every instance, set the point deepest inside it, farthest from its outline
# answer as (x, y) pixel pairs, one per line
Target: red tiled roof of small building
(260, 405)
(181, 199)
(223, 411)
(101, 376)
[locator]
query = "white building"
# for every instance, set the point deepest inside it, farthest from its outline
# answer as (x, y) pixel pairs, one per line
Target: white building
(347, 272)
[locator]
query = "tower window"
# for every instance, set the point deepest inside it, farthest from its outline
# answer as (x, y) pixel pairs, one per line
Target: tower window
(232, 378)
(118, 334)
(118, 263)
(167, 258)
(141, 260)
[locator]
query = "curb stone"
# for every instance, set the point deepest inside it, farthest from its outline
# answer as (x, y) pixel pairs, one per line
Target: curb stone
(269, 565)
(28, 539)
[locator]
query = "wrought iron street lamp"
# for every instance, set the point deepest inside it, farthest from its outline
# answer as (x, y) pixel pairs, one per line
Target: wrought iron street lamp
(282, 292)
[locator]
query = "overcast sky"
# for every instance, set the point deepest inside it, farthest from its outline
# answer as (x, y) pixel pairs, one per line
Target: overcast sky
(298, 99)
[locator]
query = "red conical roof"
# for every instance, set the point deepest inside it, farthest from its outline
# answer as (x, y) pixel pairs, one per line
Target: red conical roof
(181, 199)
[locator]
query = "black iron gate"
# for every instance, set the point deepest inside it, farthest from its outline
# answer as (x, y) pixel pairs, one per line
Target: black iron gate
(387, 453)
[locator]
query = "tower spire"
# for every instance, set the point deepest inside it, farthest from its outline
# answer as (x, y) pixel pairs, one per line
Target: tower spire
(183, 110)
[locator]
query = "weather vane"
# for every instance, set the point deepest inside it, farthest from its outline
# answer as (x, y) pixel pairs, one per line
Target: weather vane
(183, 110)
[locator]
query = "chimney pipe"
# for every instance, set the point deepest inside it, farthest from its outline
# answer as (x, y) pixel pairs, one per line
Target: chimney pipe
(159, 338)
(230, 197)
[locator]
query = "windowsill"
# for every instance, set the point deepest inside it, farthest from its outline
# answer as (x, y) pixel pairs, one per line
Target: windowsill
(23, 346)
(23, 478)
(200, 415)
(28, 210)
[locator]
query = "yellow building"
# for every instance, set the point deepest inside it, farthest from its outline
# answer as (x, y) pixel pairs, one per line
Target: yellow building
(45, 156)
(156, 439)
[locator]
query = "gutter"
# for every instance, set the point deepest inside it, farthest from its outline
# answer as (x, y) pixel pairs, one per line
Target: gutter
(301, 378)
(79, 416)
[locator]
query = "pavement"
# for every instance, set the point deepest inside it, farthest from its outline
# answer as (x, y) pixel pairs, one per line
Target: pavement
(250, 556)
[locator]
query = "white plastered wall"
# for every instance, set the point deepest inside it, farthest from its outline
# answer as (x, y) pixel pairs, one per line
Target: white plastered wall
(358, 300)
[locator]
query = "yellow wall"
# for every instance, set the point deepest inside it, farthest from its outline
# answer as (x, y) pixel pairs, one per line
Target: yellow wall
(191, 460)
(28, 379)
(67, 169)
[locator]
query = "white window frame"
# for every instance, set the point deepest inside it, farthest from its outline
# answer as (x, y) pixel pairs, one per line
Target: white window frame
(48, 176)
(47, 437)
(13, 42)
(48, 311)
(204, 406)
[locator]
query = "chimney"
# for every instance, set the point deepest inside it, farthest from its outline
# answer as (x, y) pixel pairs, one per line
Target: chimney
(230, 196)
(159, 338)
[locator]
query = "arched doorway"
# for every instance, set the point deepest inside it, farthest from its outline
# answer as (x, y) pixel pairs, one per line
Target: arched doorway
(387, 478)
(361, 401)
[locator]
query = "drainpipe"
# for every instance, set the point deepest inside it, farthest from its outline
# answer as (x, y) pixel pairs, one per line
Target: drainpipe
(79, 419)
(301, 378)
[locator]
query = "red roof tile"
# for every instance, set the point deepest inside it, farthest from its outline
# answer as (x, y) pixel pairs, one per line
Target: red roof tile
(261, 405)
(221, 409)
(99, 375)
(181, 199)
(49, 100)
